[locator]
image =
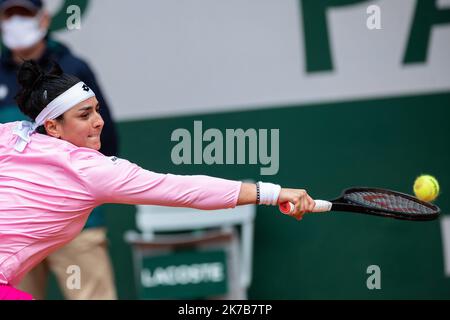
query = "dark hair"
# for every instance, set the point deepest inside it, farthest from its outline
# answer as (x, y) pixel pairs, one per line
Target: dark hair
(39, 88)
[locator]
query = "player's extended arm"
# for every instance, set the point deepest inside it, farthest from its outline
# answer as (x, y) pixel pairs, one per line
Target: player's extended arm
(247, 195)
(112, 180)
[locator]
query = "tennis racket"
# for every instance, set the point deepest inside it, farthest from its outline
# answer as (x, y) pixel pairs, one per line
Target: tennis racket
(378, 202)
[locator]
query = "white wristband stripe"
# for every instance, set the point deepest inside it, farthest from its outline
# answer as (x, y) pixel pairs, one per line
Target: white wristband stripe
(269, 193)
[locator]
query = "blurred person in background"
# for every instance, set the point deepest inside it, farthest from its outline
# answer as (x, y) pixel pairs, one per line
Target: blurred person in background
(25, 36)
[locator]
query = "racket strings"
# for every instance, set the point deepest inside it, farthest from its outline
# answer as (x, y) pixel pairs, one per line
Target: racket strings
(386, 201)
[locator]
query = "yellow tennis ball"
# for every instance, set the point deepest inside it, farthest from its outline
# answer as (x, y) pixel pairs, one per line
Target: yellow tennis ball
(426, 188)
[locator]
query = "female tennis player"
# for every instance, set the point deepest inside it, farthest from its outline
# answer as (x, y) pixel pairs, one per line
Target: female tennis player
(52, 176)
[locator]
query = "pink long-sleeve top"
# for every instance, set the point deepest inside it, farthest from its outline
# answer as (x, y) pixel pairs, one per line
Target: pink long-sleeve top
(48, 191)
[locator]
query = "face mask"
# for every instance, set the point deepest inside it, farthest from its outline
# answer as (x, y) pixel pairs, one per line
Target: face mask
(20, 32)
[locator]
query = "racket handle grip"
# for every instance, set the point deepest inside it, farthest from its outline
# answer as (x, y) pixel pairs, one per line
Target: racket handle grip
(321, 206)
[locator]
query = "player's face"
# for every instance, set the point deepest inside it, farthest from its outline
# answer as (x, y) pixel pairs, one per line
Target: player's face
(82, 125)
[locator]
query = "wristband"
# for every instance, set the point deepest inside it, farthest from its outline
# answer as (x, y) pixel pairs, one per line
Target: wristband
(268, 193)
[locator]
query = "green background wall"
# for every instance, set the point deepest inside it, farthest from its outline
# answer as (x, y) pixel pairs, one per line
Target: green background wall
(323, 148)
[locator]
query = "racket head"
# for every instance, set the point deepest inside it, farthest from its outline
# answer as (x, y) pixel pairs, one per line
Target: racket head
(386, 203)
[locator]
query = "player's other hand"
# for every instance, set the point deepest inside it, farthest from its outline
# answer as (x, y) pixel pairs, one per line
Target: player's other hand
(299, 197)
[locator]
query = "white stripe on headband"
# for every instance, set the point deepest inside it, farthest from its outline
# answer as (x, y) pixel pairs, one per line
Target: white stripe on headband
(65, 101)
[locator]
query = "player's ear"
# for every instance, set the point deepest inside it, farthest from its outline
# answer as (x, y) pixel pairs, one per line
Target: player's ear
(53, 128)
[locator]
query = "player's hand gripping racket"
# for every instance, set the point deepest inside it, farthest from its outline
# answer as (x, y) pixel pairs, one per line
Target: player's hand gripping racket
(378, 202)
